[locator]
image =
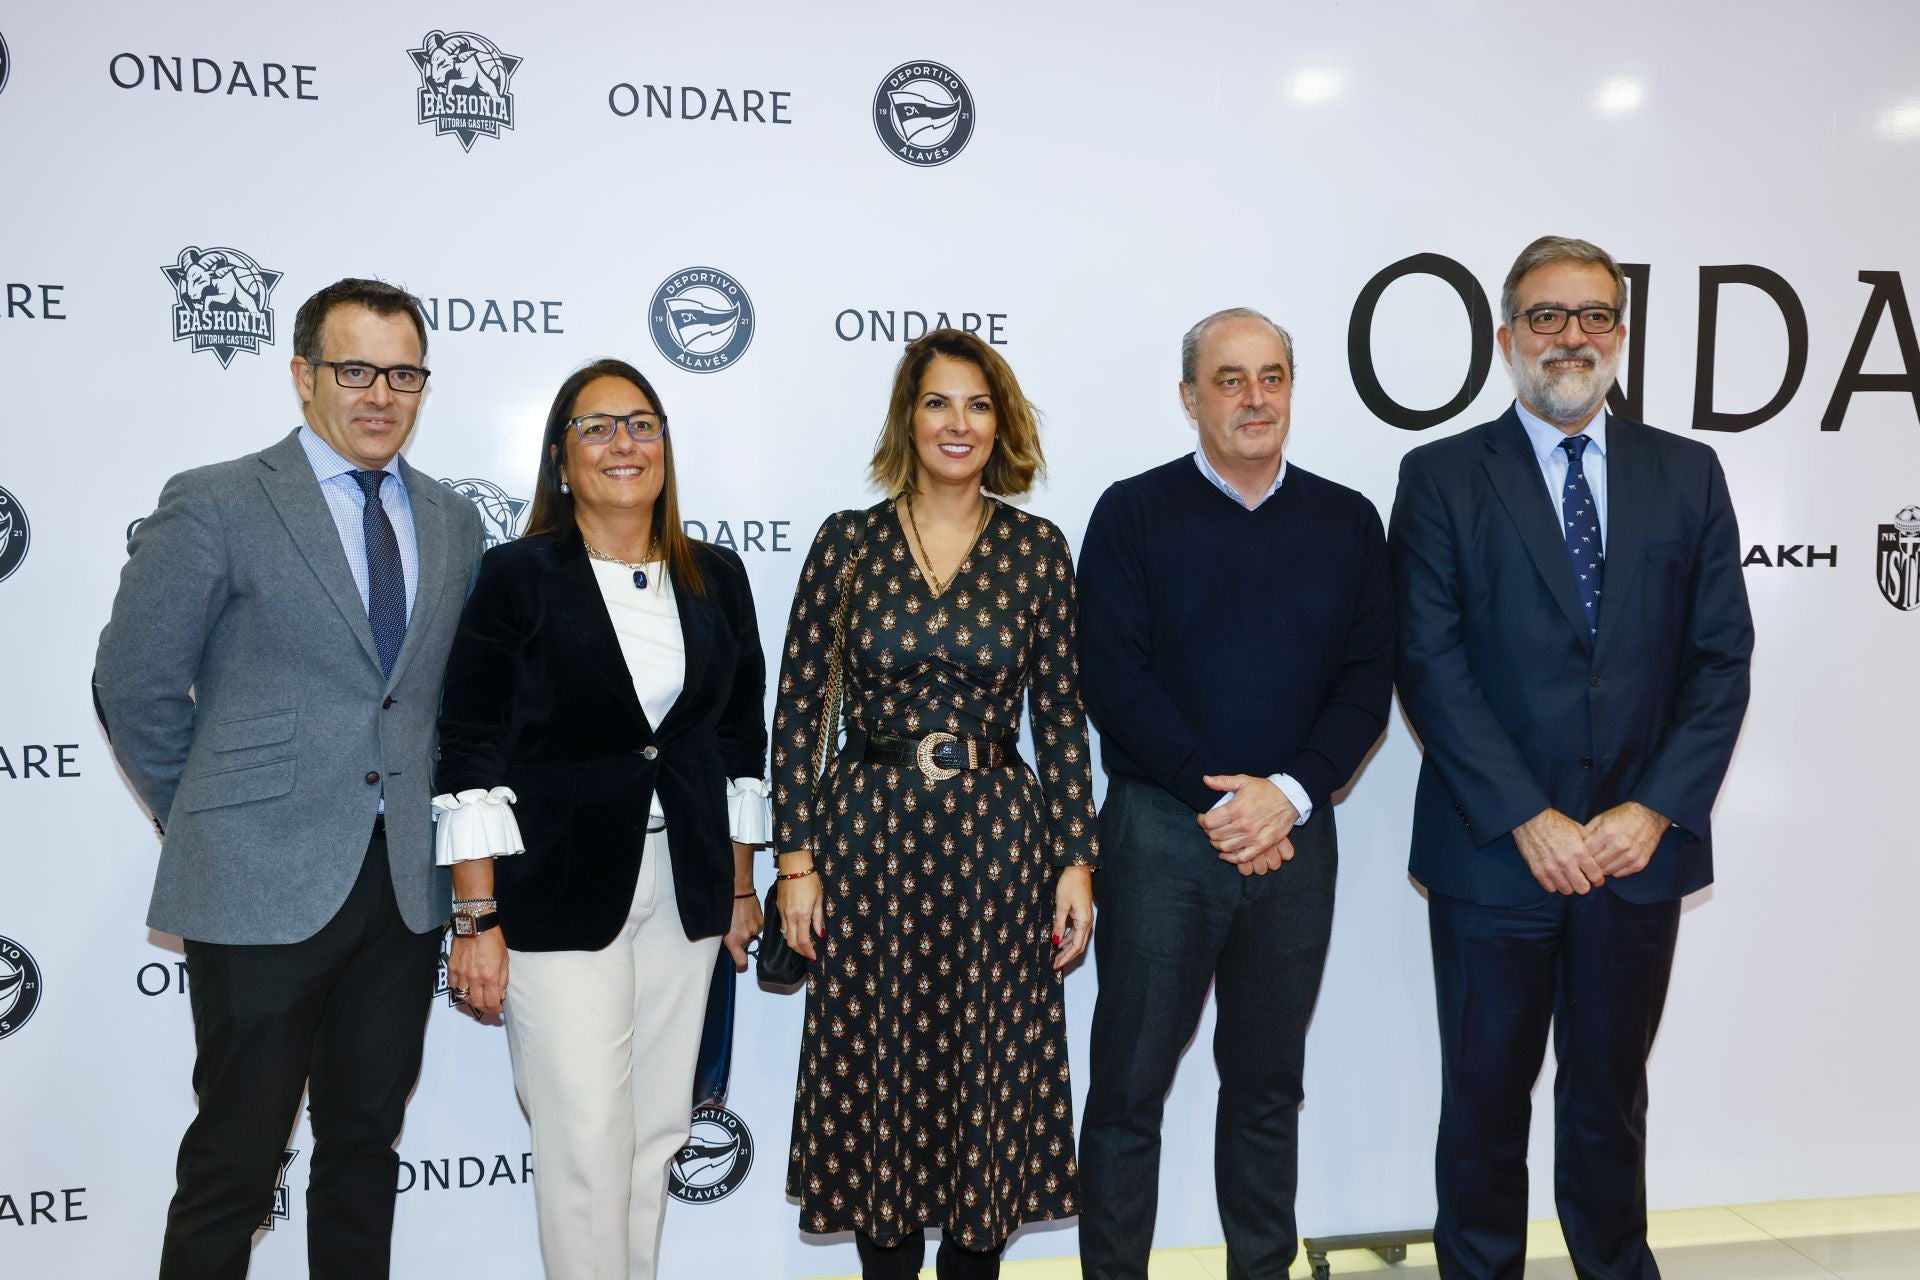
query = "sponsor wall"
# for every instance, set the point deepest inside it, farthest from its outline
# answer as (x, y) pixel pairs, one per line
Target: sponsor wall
(758, 207)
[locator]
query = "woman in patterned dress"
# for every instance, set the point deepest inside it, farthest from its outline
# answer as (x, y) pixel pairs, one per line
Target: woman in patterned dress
(937, 883)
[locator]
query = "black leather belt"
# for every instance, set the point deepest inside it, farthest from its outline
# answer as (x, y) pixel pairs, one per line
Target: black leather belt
(938, 756)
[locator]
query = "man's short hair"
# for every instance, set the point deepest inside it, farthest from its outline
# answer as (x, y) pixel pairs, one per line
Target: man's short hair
(1190, 345)
(1550, 249)
(377, 296)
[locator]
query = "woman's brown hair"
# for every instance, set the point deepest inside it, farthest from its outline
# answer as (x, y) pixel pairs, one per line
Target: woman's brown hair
(553, 509)
(1016, 460)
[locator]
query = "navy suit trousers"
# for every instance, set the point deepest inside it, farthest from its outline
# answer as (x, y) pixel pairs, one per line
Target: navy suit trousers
(1595, 968)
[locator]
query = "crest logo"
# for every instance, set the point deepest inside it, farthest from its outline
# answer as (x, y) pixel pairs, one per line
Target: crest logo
(702, 319)
(1898, 564)
(923, 113)
(14, 534)
(223, 301)
(6, 62)
(715, 1161)
(282, 1201)
(464, 85)
(19, 987)
(500, 515)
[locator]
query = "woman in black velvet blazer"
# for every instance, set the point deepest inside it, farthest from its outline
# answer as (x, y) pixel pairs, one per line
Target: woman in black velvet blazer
(607, 684)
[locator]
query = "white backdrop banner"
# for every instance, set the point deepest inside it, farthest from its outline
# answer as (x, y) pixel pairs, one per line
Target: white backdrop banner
(758, 204)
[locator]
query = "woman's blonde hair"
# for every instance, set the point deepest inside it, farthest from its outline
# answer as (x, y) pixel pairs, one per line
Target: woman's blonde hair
(1015, 462)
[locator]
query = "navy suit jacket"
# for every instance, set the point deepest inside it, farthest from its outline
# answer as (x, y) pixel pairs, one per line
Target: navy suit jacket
(1519, 706)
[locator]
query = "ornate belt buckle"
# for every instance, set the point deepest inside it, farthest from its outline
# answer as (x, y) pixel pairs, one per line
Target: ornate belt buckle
(923, 756)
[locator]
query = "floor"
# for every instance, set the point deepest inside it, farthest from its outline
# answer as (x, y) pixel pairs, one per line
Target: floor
(1876, 1238)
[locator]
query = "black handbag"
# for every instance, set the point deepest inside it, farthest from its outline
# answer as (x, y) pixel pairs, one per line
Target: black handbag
(776, 963)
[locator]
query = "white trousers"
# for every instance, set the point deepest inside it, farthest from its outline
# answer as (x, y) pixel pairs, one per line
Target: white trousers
(604, 1045)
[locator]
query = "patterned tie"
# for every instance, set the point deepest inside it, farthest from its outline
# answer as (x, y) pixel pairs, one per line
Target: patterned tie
(1582, 519)
(386, 580)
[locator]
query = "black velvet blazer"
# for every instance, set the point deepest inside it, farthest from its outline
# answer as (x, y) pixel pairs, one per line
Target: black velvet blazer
(539, 699)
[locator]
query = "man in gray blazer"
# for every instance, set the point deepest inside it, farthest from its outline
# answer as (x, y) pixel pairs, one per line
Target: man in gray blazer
(270, 679)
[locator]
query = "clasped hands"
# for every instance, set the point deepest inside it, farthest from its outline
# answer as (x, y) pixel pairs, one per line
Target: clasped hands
(1254, 830)
(1567, 857)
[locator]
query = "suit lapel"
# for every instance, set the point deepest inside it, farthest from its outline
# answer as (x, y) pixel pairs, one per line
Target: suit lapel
(431, 532)
(1630, 481)
(1515, 475)
(696, 632)
(289, 481)
(577, 594)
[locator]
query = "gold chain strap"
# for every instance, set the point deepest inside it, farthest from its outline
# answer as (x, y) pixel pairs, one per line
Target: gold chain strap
(836, 678)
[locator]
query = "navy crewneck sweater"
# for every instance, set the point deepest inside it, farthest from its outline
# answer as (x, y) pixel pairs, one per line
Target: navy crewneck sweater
(1218, 640)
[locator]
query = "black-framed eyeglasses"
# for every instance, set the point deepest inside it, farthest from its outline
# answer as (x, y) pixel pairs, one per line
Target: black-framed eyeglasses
(598, 428)
(1554, 319)
(407, 379)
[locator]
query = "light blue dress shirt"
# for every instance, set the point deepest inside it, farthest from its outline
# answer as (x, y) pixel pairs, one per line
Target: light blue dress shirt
(1285, 781)
(346, 502)
(1219, 482)
(1546, 438)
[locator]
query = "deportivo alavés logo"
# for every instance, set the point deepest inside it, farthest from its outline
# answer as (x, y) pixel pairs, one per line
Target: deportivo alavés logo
(19, 987)
(715, 1161)
(1897, 565)
(465, 85)
(14, 534)
(500, 514)
(702, 319)
(923, 113)
(6, 62)
(222, 301)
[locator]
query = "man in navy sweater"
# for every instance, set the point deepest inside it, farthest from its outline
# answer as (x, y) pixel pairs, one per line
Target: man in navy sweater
(1237, 658)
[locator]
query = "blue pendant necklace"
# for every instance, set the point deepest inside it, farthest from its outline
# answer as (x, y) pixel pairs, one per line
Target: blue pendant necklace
(639, 570)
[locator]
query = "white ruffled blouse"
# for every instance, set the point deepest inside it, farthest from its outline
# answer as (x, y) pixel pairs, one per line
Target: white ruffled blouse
(479, 823)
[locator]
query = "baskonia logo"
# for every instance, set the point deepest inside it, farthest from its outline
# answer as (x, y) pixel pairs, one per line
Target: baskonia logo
(500, 515)
(14, 534)
(465, 85)
(702, 319)
(223, 301)
(19, 987)
(282, 1200)
(715, 1161)
(923, 113)
(1898, 564)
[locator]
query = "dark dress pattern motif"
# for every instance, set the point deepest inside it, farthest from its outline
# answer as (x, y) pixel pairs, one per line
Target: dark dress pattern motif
(933, 1086)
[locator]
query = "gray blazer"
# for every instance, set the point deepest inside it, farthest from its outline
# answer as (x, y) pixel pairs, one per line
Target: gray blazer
(239, 685)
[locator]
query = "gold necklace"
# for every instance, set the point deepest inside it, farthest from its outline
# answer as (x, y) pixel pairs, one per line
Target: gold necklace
(639, 570)
(913, 527)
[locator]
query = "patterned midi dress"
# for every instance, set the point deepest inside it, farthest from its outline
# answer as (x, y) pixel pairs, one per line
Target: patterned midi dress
(933, 1086)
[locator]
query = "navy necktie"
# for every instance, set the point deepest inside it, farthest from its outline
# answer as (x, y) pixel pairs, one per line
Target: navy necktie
(1581, 517)
(386, 580)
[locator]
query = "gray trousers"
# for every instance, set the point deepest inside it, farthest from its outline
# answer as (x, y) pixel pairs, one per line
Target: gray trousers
(1172, 918)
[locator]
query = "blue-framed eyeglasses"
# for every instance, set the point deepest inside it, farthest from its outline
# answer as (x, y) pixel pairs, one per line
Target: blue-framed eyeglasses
(598, 428)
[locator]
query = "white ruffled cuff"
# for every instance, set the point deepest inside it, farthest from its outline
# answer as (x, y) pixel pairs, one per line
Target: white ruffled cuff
(749, 812)
(475, 824)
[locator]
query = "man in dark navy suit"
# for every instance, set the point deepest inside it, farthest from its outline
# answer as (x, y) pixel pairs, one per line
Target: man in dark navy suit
(1573, 651)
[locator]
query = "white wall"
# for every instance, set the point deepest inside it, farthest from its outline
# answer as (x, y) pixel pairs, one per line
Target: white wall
(1125, 175)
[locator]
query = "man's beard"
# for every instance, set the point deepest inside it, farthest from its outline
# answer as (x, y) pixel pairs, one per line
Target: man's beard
(1566, 397)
